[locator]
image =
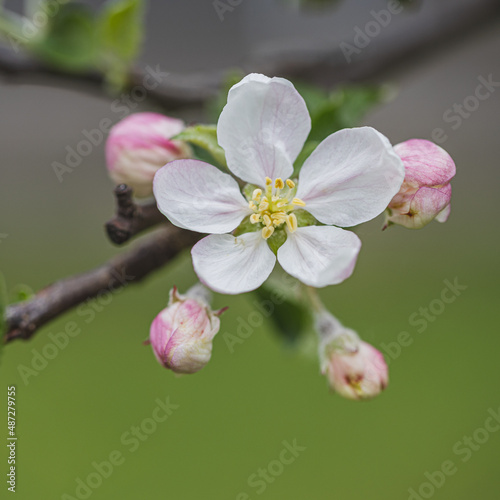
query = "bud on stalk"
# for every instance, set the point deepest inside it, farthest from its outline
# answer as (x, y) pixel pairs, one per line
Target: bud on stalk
(354, 369)
(181, 335)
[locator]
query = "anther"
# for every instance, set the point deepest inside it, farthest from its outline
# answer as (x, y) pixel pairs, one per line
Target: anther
(290, 183)
(257, 193)
(264, 205)
(267, 232)
(254, 218)
(298, 202)
(291, 222)
(278, 183)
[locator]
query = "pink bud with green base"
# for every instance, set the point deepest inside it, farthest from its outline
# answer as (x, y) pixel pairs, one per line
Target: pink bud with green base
(425, 194)
(181, 335)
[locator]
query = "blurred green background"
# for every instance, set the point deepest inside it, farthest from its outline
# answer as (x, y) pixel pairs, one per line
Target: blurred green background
(234, 415)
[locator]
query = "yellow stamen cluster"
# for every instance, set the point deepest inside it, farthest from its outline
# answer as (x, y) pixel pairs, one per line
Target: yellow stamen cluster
(273, 206)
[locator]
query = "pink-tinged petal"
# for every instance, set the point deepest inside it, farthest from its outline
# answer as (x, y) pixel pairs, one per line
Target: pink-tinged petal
(233, 265)
(359, 375)
(139, 145)
(320, 255)
(351, 177)
(425, 206)
(426, 164)
(262, 128)
(197, 196)
(444, 214)
(181, 335)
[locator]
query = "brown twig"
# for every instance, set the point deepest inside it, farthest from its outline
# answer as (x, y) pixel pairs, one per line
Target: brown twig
(326, 66)
(25, 318)
(131, 219)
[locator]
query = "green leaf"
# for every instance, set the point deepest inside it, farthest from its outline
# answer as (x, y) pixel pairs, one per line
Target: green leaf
(290, 316)
(342, 108)
(121, 28)
(121, 32)
(21, 293)
(70, 40)
(205, 137)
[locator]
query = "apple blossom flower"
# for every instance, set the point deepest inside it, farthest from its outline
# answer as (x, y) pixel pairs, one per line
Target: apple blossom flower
(349, 179)
(139, 145)
(355, 369)
(426, 190)
(181, 335)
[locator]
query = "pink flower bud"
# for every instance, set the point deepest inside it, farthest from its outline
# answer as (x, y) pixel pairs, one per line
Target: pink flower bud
(426, 191)
(181, 335)
(361, 374)
(139, 145)
(354, 369)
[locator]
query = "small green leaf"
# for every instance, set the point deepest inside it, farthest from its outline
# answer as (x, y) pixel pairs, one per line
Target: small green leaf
(120, 33)
(121, 28)
(70, 40)
(205, 137)
(21, 293)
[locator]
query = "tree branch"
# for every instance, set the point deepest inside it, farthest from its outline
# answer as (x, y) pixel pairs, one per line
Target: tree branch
(25, 318)
(131, 219)
(322, 65)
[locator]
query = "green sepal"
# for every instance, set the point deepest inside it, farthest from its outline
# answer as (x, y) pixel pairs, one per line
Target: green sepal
(304, 218)
(276, 240)
(246, 227)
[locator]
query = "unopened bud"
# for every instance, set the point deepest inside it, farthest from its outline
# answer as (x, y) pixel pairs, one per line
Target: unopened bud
(181, 335)
(426, 190)
(355, 369)
(139, 145)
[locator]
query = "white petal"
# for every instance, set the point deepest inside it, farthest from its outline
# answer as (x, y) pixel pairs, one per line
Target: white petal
(320, 255)
(233, 265)
(351, 177)
(262, 128)
(444, 214)
(197, 196)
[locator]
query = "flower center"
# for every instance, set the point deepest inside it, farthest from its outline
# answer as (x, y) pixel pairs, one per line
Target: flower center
(273, 207)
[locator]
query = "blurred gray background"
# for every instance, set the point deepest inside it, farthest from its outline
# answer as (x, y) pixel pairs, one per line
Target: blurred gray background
(234, 415)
